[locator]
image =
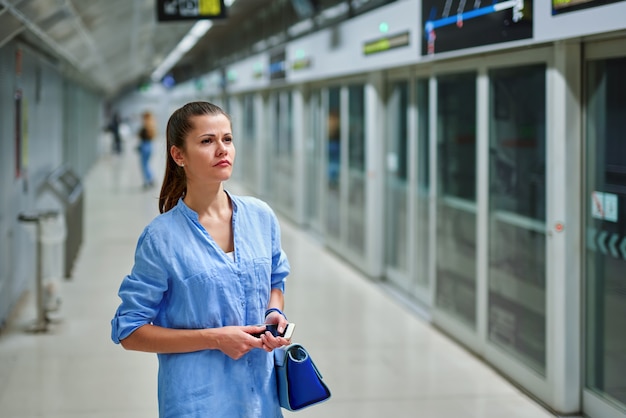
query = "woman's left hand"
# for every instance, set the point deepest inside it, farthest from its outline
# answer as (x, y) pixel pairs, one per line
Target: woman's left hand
(277, 319)
(270, 342)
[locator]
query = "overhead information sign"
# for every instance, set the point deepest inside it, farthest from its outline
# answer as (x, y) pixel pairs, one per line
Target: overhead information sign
(450, 25)
(561, 6)
(278, 65)
(386, 43)
(171, 10)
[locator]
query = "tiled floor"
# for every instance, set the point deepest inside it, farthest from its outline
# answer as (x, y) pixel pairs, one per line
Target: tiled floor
(379, 359)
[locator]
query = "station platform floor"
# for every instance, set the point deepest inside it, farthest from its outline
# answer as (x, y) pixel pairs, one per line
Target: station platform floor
(378, 357)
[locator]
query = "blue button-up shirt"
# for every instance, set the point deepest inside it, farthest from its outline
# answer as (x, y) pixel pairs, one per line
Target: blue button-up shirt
(183, 279)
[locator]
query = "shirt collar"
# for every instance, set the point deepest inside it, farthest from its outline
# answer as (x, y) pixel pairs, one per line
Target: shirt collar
(190, 213)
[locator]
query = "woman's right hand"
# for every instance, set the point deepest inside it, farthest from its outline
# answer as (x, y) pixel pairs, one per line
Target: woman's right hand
(235, 341)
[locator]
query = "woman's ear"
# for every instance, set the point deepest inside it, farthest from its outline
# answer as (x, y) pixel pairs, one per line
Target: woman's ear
(177, 155)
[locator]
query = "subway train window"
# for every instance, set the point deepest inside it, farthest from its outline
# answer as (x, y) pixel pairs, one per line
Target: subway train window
(517, 213)
(605, 206)
(397, 184)
(456, 200)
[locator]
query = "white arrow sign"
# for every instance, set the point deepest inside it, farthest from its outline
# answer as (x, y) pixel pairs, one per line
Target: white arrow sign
(591, 239)
(601, 237)
(612, 241)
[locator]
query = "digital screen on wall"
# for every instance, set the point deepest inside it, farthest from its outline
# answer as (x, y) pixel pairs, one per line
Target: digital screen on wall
(562, 6)
(278, 65)
(450, 25)
(172, 10)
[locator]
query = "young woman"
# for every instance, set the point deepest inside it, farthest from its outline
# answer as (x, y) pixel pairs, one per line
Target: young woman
(207, 271)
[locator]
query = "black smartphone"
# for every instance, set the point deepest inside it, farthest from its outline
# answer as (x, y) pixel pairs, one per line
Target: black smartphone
(273, 328)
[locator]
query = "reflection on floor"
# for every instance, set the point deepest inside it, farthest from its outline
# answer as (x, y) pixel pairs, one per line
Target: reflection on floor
(378, 358)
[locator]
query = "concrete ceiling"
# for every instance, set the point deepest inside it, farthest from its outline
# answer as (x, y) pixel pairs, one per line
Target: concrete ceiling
(116, 44)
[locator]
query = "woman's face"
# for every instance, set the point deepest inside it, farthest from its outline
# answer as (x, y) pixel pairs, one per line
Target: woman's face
(209, 151)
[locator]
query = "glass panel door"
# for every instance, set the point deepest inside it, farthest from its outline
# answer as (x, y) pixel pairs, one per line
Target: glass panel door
(314, 162)
(356, 170)
(605, 254)
(422, 195)
(407, 188)
(249, 141)
(333, 164)
(456, 200)
(397, 186)
(282, 190)
(517, 213)
(346, 230)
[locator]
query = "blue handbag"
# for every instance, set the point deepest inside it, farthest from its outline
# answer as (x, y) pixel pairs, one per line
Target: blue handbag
(299, 381)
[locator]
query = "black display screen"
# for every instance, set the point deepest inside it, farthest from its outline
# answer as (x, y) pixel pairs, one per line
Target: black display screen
(452, 25)
(562, 6)
(172, 10)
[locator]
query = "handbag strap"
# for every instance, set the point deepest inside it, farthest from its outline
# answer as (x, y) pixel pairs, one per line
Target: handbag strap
(293, 348)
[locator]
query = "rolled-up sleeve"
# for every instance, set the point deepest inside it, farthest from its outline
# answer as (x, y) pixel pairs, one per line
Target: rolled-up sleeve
(141, 291)
(280, 264)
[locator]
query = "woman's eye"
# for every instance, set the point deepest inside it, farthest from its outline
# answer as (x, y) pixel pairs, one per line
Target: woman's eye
(228, 139)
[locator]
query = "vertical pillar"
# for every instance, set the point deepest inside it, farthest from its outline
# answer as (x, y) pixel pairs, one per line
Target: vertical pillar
(374, 163)
(564, 226)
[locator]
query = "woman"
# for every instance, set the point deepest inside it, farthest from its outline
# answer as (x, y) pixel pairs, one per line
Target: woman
(207, 271)
(146, 136)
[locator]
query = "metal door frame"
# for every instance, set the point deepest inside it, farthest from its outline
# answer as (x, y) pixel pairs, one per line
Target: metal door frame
(592, 404)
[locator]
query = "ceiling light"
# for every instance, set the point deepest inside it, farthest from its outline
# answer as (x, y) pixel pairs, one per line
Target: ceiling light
(195, 33)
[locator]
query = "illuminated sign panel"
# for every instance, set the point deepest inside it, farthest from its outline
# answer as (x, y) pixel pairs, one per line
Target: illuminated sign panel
(278, 65)
(561, 6)
(171, 10)
(301, 64)
(450, 25)
(386, 43)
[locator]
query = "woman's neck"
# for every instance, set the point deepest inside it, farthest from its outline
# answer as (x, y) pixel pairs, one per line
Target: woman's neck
(213, 202)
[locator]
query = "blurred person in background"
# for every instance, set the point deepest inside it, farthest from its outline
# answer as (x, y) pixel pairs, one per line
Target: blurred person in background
(114, 128)
(147, 132)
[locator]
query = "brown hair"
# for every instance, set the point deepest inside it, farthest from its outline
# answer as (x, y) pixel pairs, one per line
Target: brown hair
(178, 126)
